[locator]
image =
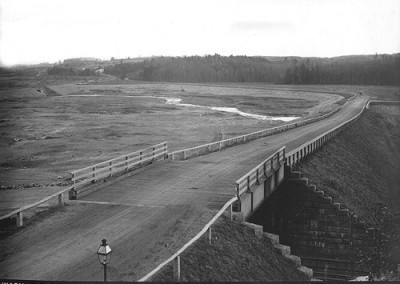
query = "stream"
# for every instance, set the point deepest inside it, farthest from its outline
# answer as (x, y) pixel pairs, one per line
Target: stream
(177, 102)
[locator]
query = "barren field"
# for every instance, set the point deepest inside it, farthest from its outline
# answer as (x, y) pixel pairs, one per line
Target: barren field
(45, 134)
(48, 132)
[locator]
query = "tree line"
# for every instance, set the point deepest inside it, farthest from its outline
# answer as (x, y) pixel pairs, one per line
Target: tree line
(375, 69)
(65, 70)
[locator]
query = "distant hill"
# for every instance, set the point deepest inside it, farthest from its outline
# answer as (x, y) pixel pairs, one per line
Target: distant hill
(379, 69)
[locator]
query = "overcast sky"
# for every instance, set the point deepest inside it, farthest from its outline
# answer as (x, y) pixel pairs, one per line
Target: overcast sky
(35, 31)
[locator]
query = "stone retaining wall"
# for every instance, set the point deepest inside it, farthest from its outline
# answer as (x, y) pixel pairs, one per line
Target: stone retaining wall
(328, 237)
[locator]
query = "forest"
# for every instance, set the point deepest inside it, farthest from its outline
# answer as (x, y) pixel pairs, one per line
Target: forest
(378, 69)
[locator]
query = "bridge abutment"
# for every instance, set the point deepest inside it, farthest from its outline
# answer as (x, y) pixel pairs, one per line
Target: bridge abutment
(322, 233)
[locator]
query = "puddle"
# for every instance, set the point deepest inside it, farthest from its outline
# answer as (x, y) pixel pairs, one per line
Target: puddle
(177, 102)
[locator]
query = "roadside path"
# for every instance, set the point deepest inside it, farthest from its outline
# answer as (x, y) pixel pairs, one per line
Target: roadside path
(146, 217)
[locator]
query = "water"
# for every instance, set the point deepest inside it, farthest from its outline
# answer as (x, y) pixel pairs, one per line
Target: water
(177, 102)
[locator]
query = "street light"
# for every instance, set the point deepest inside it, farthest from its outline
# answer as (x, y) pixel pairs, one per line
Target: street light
(104, 255)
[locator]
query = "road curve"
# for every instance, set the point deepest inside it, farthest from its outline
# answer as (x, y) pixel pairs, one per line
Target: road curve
(146, 217)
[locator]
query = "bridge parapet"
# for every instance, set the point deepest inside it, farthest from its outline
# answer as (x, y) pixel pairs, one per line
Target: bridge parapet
(258, 184)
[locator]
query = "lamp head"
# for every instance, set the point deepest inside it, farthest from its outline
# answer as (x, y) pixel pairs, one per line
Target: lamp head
(104, 252)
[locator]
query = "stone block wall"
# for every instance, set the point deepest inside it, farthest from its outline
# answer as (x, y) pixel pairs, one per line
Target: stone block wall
(328, 238)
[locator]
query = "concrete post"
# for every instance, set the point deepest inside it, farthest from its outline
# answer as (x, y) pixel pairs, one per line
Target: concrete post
(20, 219)
(177, 268)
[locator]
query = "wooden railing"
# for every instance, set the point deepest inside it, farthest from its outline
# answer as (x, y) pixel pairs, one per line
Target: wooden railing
(219, 145)
(176, 256)
(260, 172)
(19, 212)
(121, 164)
(309, 147)
(382, 102)
(99, 171)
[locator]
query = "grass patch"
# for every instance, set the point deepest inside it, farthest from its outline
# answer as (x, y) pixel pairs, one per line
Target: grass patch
(235, 254)
(360, 169)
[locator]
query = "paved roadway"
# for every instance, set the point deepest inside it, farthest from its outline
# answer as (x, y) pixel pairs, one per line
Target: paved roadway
(146, 217)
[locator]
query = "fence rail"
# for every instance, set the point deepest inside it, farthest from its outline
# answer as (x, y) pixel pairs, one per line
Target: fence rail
(207, 227)
(92, 173)
(219, 145)
(381, 102)
(19, 212)
(261, 171)
(295, 155)
(117, 165)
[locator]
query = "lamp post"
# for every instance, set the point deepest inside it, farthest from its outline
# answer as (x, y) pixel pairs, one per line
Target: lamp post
(104, 255)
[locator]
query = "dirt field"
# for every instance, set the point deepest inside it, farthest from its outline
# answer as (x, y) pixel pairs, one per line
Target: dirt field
(45, 135)
(146, 217)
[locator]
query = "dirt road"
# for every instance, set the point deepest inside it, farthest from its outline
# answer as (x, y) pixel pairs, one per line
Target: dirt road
(146, 217)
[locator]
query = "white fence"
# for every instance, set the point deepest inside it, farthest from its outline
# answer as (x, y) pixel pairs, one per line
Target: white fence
(263, 170)
(219, 145)
(118, 165)
(309, 147)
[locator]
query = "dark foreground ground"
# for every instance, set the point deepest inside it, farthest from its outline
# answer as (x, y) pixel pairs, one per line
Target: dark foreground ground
(360, 169)
(235, 254)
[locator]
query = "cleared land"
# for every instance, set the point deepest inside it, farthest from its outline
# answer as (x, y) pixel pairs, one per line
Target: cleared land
(146, 217)
(149, 224)
(47, 134)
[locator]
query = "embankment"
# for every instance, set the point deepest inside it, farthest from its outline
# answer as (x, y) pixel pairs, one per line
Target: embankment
(354, 174)
(236, 253)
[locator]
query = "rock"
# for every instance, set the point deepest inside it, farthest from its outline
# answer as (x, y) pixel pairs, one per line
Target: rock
(59, 177)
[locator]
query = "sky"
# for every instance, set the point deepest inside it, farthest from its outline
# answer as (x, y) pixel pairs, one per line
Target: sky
(38, 31)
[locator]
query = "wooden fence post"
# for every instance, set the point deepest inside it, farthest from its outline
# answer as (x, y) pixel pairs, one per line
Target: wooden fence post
(94, 174)
(209, 235)
(257, 179)
(177, 268)
(60, 200)
(20, 219)
(230, 215)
